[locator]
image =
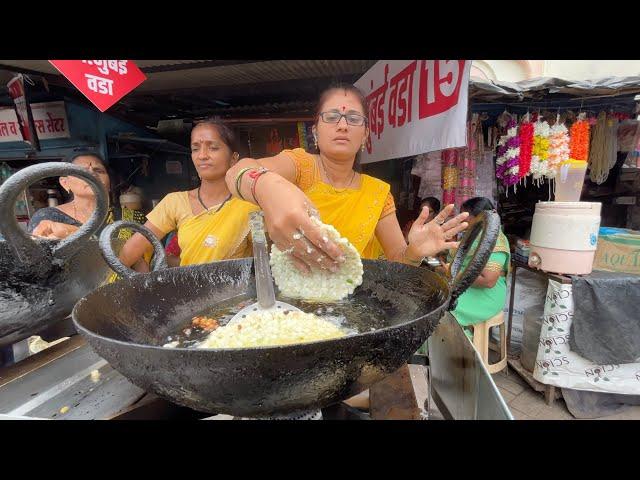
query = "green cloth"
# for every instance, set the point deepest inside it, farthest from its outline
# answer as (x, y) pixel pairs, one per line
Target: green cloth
(477, 304)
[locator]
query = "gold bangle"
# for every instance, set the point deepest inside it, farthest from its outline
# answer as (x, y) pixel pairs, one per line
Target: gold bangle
(239, 179)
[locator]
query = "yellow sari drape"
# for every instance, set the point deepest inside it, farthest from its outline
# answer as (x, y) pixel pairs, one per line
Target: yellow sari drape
(210, 236)
(354, 213)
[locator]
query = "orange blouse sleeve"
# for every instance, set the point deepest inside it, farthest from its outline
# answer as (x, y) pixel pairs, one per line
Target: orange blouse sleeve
(389, 206)
(306, 172)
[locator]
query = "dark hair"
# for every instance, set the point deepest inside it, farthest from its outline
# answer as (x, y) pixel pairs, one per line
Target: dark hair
(477, 205)
(350, 88)
(227, 135)
(347, 87)
(433, 202)
(85, 153)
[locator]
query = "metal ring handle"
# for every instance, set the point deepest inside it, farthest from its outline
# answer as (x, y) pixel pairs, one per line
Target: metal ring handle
(489, 224)
(109, 233)
(26, 249)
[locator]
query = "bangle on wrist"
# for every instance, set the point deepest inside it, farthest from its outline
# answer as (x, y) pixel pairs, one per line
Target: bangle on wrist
(239, 180)
(255, 176)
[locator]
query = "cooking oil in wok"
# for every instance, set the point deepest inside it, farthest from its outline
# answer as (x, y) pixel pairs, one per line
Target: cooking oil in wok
(360, 313)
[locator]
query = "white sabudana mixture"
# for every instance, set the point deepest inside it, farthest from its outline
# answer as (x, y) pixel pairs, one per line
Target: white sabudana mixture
(319, 285)
(271, 328)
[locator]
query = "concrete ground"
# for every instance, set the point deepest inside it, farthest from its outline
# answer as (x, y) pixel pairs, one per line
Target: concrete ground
(527, 404)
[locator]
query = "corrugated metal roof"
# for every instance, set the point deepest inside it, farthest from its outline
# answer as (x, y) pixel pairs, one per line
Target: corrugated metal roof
(36, 65)
(264, 108)
(212, 73)
(162, 63)
(252, 73)
(201, 87)
(45, 67)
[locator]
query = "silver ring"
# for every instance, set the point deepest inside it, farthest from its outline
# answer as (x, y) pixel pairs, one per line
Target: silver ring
(440, 222)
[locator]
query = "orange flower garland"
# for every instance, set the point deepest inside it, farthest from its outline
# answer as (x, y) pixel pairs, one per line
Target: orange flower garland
(579, 141)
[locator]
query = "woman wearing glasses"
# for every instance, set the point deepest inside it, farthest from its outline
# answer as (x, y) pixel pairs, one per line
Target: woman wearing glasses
(290, 186)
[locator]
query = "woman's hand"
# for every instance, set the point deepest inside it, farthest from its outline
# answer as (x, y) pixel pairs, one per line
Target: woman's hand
(53, 230)
(429, 239)
(287, 214)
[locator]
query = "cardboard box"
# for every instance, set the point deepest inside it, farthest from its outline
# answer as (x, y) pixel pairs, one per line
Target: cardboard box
(618, 251)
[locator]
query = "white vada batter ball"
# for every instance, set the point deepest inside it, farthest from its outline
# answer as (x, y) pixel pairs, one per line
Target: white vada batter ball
(319, 285)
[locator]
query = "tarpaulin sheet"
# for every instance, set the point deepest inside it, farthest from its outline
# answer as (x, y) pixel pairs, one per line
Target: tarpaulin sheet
(606, 319)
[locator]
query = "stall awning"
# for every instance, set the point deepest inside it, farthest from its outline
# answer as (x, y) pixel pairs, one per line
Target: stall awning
(544, 87)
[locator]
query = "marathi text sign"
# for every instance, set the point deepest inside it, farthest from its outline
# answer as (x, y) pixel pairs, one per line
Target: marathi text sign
(18, 92)
(103, 82)
(9, 126)
(49, 119)
(415, 106)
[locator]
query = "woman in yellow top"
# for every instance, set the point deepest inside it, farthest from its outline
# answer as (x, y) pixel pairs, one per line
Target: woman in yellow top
(211, 224)
(291, 185)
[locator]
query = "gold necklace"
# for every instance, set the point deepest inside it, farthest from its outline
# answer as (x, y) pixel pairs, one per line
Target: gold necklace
(326, 174)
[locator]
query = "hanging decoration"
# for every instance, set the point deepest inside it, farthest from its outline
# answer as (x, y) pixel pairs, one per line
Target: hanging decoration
(579, 140)
(468, 158)
(612, 139)
(501, 158)
(509, 156)
(526, 148)
(558, 147)
(540, 150)
(449, 175)
(603, 147)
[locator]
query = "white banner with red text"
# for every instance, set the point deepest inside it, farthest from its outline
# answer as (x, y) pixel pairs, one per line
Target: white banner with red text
(415, 106)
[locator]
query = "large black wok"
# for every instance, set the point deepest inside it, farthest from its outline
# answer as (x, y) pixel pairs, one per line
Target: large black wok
(128, 321)
(41, 280)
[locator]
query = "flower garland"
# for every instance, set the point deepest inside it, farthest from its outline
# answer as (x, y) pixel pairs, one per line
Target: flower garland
(501, 158)
(579, 141)
(558, 148)
(526, 147)
(512, 156)
(540, 151)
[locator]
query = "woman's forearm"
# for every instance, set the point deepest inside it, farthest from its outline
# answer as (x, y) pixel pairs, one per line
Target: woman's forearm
(133, 250)
(233, 182)
(281, 171)
(486, 280)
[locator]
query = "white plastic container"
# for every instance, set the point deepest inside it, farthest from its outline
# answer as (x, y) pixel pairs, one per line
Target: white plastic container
(569, 180)
(564, 237)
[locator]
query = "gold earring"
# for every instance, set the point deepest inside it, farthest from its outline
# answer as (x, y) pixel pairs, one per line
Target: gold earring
(362, 148)
(315, 139)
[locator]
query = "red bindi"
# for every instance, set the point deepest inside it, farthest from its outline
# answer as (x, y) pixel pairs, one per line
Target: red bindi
(343, 107)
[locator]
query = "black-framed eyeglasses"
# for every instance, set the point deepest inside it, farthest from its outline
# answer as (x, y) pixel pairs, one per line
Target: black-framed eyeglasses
(353, 119)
